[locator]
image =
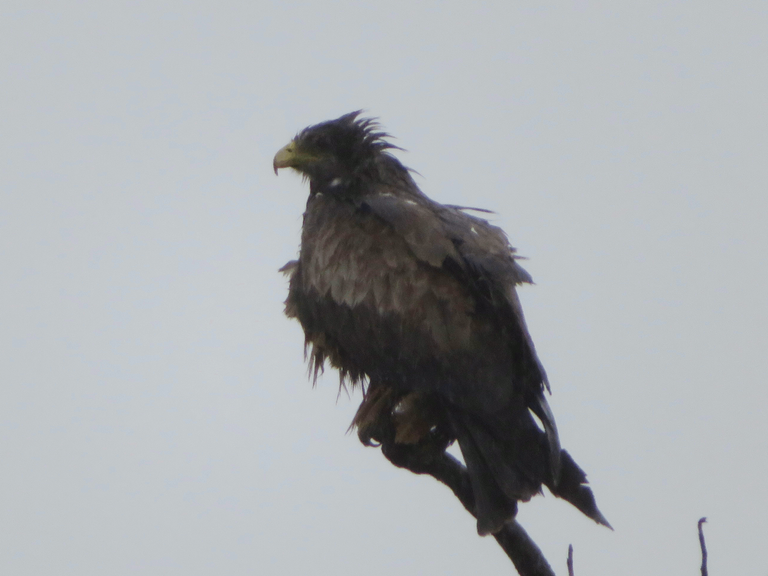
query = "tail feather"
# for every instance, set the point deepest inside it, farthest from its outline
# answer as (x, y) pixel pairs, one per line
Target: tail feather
(493, 508)
(572, 486)
(540, 407)
(510, 461)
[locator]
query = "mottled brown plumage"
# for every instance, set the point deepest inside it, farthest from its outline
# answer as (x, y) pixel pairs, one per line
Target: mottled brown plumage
(416, 302)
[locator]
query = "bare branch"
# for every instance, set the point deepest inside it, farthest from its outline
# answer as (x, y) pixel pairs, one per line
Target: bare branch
(513, 539)
(570, 560)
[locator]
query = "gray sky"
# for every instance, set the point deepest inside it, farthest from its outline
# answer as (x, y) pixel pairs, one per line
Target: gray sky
(155, 413)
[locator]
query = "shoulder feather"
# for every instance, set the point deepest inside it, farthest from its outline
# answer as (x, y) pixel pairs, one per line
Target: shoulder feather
(417, 223)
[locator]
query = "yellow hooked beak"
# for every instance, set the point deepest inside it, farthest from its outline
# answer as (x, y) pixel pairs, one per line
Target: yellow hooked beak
(285, 157)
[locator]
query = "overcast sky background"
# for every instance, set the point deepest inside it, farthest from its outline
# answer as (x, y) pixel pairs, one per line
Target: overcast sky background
(155, 413)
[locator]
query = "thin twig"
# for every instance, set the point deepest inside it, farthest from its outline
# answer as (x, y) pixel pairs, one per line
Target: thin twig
(513, 539)
(703, 548)
(570, 560)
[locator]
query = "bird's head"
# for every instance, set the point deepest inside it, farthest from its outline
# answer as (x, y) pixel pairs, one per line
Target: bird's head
(334, 151)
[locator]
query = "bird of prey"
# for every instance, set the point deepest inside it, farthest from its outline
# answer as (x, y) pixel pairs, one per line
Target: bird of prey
(416, 302)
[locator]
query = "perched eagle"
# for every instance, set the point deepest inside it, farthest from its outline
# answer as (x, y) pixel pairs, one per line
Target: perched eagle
(415, 301)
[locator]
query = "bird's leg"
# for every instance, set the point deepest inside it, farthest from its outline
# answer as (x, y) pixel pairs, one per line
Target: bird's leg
(429, 457)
